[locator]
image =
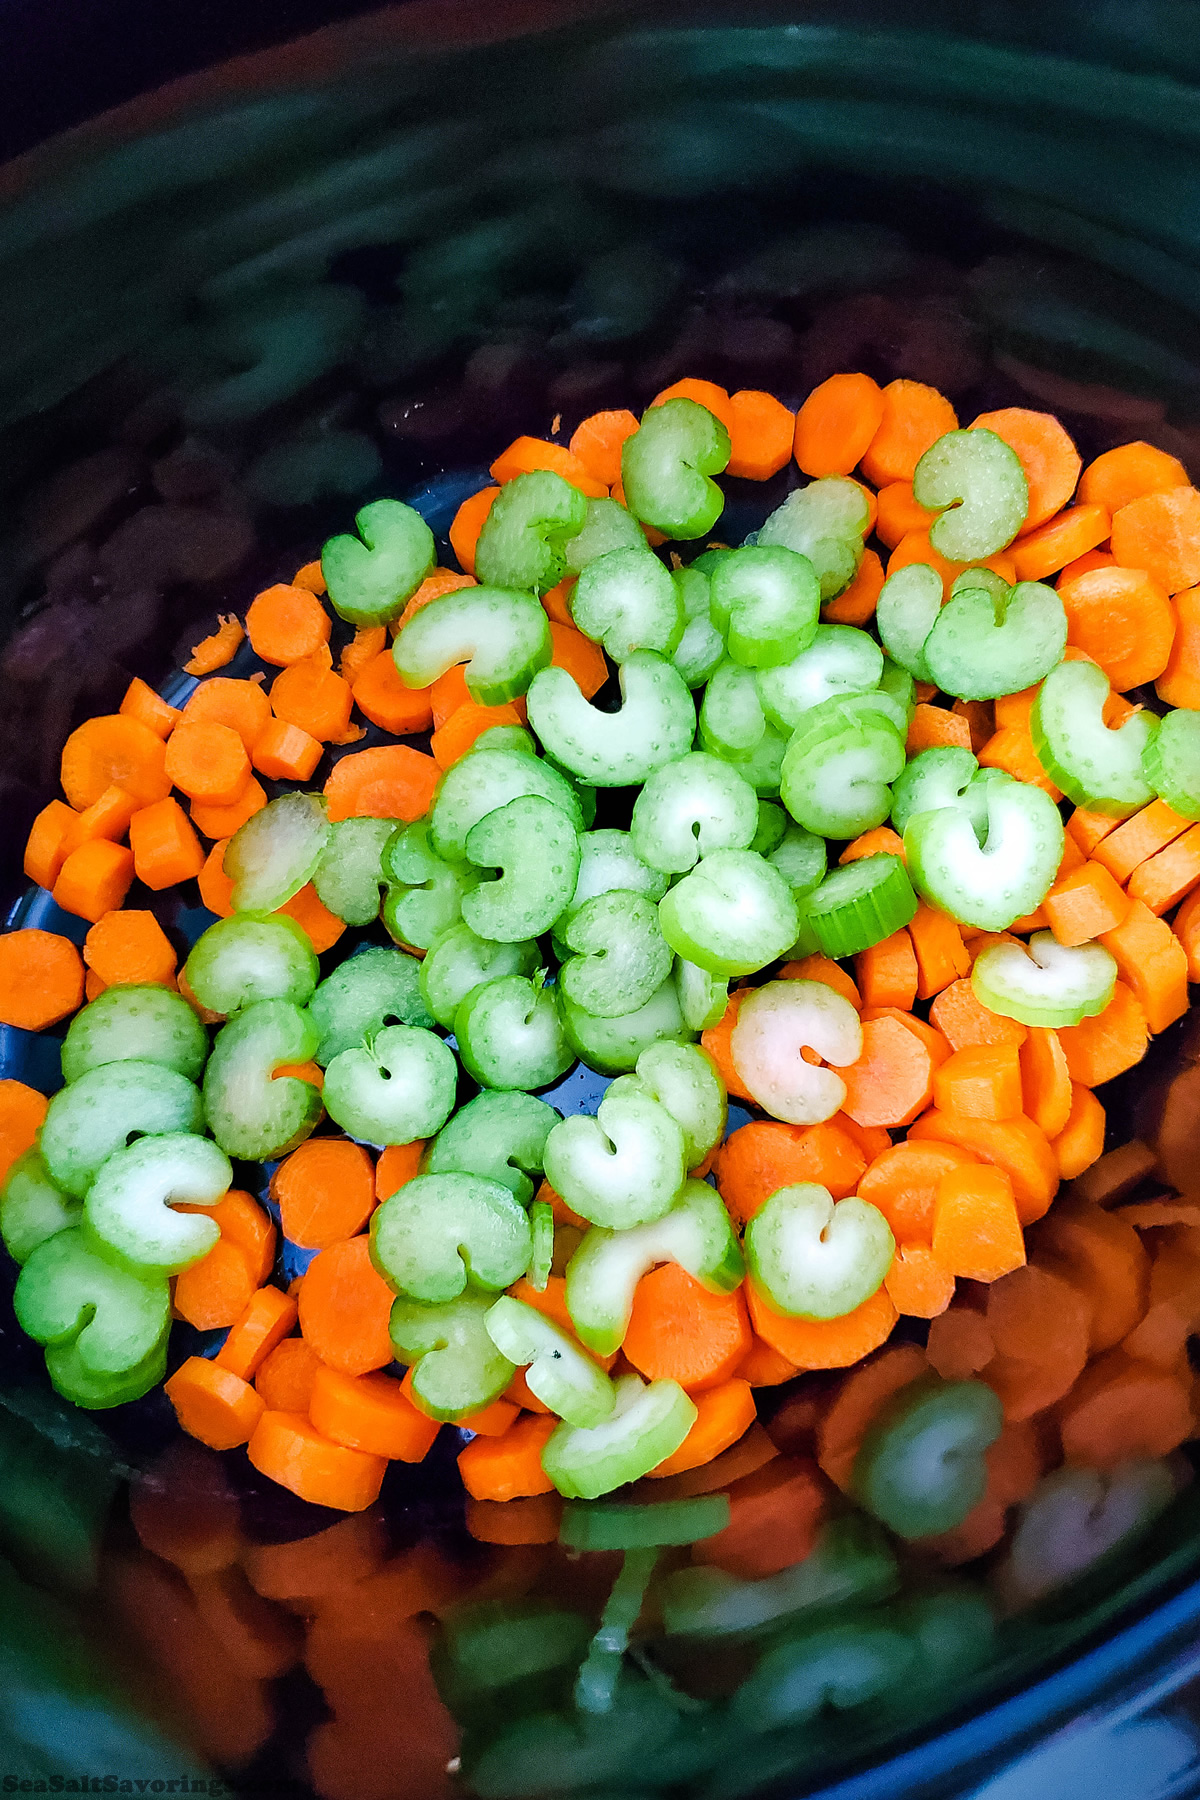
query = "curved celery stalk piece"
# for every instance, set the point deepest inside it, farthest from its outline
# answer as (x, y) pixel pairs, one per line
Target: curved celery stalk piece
(897, 686)
(249, 957)
(458, 962)
(825, 522)
(500, 633)
(613, 1045)
(456, 1368)
(645, 1426)
(439, 1231)
(275, 853)
(486, 779)
(689, 808)
(814, 1259)
(702, 646)
(536, 847)
(524, 537)
(146, 1024)
(500, 1136)
(620, 957)
(98, 1114)
(838, 767)
(509, 1035)
(908, 605)
(541, 1257)
(399, 1087)
(557, 1371)
(608, 862)
(69, 1294)
(775, 1023)
(941, 776)
(975, 481)
(666, 466)
(771, 830)
(128, 1213)
(606, 527)
(32, 1208)
(840, 660)
(1171, 762)
(425, 893)
(371, 989)
(1095, 767)
(801, 858)
(624, 1167)
(921, 1465)
(251, 1113)
(733, 913)
(767, 600)
(696, 1233)
(655, 724)
(71, 1377)
(628, 601)
(370, 580)
(860, 905)
(1008, 876)
(982, 645)
(1048, 984)
(702, 997)
(761, 766)
(732, 719)
(350, 873)
(684, 1079)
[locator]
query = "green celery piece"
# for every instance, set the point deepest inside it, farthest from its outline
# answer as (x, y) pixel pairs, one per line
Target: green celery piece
(99, 1112)
(647, 1424)
(523, 542)
(130, 1210)
(975, 482)
(142, 1024)
(655, 724)
(767, 601)
(398, 1087)
(252, 1113)
(814, 1258)
(1047, 985)
(370, 581)
(252, 956)
(667, 465)
(438, 1232)
(500, 632)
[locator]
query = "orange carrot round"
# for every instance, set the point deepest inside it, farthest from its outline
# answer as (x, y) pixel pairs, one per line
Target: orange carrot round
(705, 393)
(919, 1285)
(597, 442)
(903, 1184)
(451, 741)
(394, 782)
(527, 453)
(761, 430)
(22, 1110)
(286, 1448)
(371, 1413)
(41, 979)
(130, 948)
(1124, 621)
(325, 1191)
(981, 1081)
(1014, 1145)
(286, 624)
(1126, 473)
(207, 762)
(467, 524)
(344, 1308)
(242, 705)
(898, 513)
(213, 1404)
(216, 1290)
(383, 697)
(397, 1164)
(268, 1317)
(94, 879)
(509, 1467)
(223, 821)
(1063, 539)
(1160, 533)
(976, 1227)
(286, 1375)
(678, 1331)
(165, 847)
(758, 1159)
(914, 418)
(142, 703)
(535, 1519)
(892, 1081)
(724, 1413)
(824, 1343)
(113, 750)
(309, 694)
(774, 1517)
(836, 425)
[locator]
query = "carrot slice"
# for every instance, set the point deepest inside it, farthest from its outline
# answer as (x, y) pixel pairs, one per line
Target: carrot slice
(898, 513)
(267, 1319)
(914, 417)
(22, 1110)
(1160, 533)
(1011, 749)
(1170, 875)
(1123, 619)
(306, 907)
(1045, 1081)
(962, 1019)
(165, 847)
(1061, 540)
(1097, 1049)
(41, 979)
(1081, 1139)
(1046, 453)
(241, 705)
(1152, 962)
(824, 1343)
(1135, 840)
(836, 425)
(397, 1164)
(286, 1375)
(597, 443)
(130, 948)
(1036, 1317)
(758, 1159)
(1015, 1146)
(466, 526)
(774, 1517)
(94, 879)
(881, 841)
(440, 581)
(580, 657)
(113, 750)
(1118, 476)
(903, 1184)
(325, 1191)
(704, 393)
(724, 1413)
(218, 648)
(286, 624)
(286, 1448)
(45, 847)
(929, 1035)
(371, 1413)
(453, 739)
(716, 1041)
(861, 1396)
(892, 1081)
(216, 1290)
(394, 782)
(1121, 1408)
(509, 1467)
(976, 1229)
(1084, 904)
(764, 1367)
(942, 957)
(490, 1421)
(1179, 683)
(381, 695)
(107, 817)
(150, 709)
(886, 974)
(286, 753)
(856, 603)
(1186, 926)
(980, 1081)
(679, 1331)
(309, 694)
(527, 453)
(344, 1308)
(213, 1404)
(761, 430)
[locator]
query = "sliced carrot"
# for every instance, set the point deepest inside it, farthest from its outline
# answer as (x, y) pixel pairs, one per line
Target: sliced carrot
(942, 957)
(915, 546)
(1089, 829)
(312, 1072)
(218, 648)
(892, 1081)
(752, 1450)
(836, 424)
(213, 1404)
(976, 1230)
(382, 696)
(761, 431)
(439, 581)
(344, 1308)
(597, 442)
(311, 576)
(41, 979)
(1014, 709)
(580, 657)
(1046, 453)
(223, 821)
(112, 750)
(216, 1290)
(716, 1041)
(94, 879)
(826, 971)
(881, 841)
(216, 887)
(774, 1517)
(44, 847)
(860, 1397)
(1124, 620)
(509, 1467)
(286, 1375)
(527, 453)
(1120, 1409)
(371, 1413)
(309, 694)
(1170, 875)
(914, 417)
(933, 726)
(1186, 926)
(758, 1159)
(824, 1344)
(962, 1019)
(286, 753)
(368, 642)
(1152, 962)
(267, 1319)
(1091, 559)
(899, 513)
(452, 740)
(959, 1343)
(533, 1520)
(1160, 533)
(165, 847)
(1085, 904)
(1137, 839)
(325, 1191)
(1100, 1048)
(1179, 683)
(903, 1184)
(1061, 540)
(286, 624)
(397, 1164)
(150, 709)
(856, 603)
(1102, 1255)
(107, 817)
(244, 1222)
(1016, 1146)
(886, 974)
(1045, 1081)
(1011, 749)
(724, 1413)
(130, 948)
(286, 1448)
(557, 600)
(467, 524)
(704, 393)
(490, 1421)
(981, 721)
(1118, 476)
(448, 694)
(242, 705)
(929, 1035)
(679, 1331)
(980, 1081)
(1014, 1465)
(22, 1110)
(1081, 1139)
(394, 782)
(764, 1367)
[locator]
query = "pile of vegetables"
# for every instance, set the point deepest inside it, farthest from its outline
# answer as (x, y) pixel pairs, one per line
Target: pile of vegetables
(896, 850)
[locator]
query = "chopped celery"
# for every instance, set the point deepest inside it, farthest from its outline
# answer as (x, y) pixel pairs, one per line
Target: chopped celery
(691, 807)
(373, 988)
(628, 601)
(702, 646)
(146, 1024)
(457, 963)
(732, 914)
(276, 852)
(438, 1232)
(509, 1035)
(523, 541)
(456, 1368)
(350, 873)
(860, 904)
(646, 1425)
(536, 847)
(370, 581)
(838, 768)
(1008, 876)
(98, 1114)
(666, 466)
(1093, 765)
(983, 645)
(775, 1023)
(252, 956)
(1046, 985)
(975, 482)
(252, 1113)
(32, 1208)
(614, 1045)
(941, 776)
(767, 601)
(625, 1166)
(909, 603)
(814, 1259)
(501, 1136)
(1171, 762)
(607, 526)
(732, 719)
(557, 1371)
(655, 724)
(399, 1086)
(920, 1468)
(620, 957)
(684, 1079)
(840, 660)
(486, 779)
